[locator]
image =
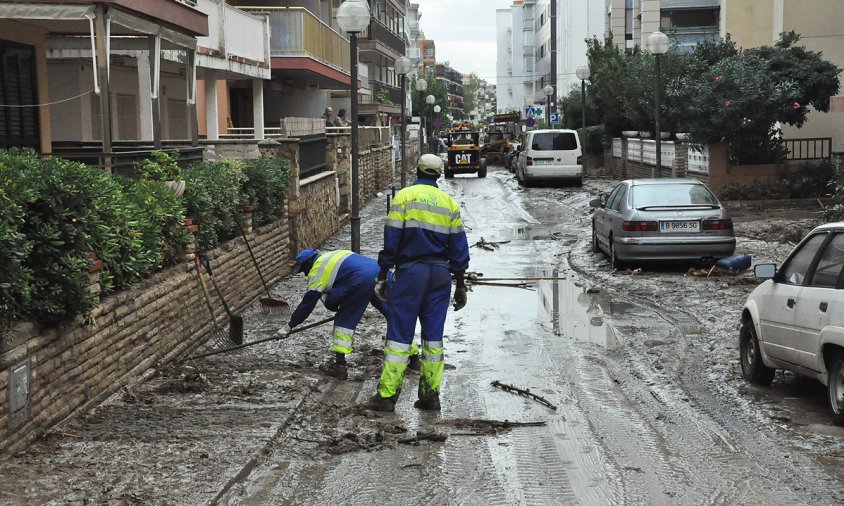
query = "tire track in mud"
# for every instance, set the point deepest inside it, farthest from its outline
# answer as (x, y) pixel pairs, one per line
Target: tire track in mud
(723, 466)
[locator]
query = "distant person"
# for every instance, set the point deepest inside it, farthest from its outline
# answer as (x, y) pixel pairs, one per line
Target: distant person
(340, 120)
(442, 146)
(327, 116)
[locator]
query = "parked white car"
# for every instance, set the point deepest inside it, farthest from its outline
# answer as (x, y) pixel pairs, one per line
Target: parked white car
(550, 155)
(795, 319)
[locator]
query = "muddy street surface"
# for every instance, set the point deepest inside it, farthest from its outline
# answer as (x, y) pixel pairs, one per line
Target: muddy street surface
(643, 397)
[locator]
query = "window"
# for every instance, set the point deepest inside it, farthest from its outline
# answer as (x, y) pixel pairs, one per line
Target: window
(622, 196)
(556, 141)
(830, 265)
(794, 272)
(19, 126)
(673, 195)
(127, 117)
(614, 196)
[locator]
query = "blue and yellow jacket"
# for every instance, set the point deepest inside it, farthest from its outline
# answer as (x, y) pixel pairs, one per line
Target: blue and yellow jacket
(424, 224)
(331, 270)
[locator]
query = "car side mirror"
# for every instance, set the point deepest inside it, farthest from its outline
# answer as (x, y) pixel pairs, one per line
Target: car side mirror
(597, 203)
(765, 271)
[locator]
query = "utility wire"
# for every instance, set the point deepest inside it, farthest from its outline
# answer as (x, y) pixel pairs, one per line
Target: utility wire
(48, 103)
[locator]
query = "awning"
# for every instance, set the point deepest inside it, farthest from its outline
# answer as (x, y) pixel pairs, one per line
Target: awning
(668, 5)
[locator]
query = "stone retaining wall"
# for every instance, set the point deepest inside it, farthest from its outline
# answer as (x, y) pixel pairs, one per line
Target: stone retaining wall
(66, 369)
(58, 372)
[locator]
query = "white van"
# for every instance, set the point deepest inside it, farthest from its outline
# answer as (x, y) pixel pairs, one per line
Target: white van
(550, 155)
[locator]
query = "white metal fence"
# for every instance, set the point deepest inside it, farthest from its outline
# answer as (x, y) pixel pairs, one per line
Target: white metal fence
(616, 148)
(698, 159)
(634, 150)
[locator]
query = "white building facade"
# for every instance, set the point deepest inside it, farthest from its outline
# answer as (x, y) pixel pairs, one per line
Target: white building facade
(525, 49)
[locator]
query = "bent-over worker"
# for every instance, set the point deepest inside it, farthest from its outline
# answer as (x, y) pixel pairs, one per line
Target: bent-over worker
(344, 281)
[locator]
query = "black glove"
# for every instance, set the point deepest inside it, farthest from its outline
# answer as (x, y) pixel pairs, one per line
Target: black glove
(460, 297)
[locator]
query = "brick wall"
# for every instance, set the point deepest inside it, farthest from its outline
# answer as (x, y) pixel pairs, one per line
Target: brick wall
(80, 364)
(316, 215)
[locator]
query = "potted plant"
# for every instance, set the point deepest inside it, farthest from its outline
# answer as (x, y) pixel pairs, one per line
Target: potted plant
(162, 167)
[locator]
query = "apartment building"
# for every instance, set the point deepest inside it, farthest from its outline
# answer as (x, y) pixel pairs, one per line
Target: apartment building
(515, 59)
(453, 82)
(525, 47)
(688, 22)
(415, 35)
(137, 83)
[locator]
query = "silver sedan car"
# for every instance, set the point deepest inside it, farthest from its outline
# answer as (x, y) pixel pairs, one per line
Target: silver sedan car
(661, 219)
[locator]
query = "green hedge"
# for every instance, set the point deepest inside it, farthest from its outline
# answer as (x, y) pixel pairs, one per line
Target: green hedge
(55, 213)
(592, 139)
(807, 181)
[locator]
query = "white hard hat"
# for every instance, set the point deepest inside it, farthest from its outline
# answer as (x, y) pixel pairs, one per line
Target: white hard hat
(430, 165)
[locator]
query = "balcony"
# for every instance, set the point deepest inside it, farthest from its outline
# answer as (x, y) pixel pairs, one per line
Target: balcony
(689, 37)
(296, 33)
(383, 98)
(379, 39)
(237, 38)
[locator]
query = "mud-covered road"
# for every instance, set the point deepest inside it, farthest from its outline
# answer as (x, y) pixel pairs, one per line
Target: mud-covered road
(642, 368)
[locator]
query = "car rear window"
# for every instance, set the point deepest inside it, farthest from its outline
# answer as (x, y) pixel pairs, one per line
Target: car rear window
(554, 141)
(672, 195)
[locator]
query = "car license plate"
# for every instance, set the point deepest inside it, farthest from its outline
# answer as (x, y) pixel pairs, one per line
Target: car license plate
(679, 226)
(543, 162)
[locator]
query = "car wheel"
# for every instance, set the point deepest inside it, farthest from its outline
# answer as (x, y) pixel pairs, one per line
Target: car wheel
(752, 368)
(482, 170)
(615, 263)
(596, 248)
(579, 182)
(835, 386)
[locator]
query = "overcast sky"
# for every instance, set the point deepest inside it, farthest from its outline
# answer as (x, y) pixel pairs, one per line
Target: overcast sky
(464, 32)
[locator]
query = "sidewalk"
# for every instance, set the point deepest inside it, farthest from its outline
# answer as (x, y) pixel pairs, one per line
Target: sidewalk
(186, 435)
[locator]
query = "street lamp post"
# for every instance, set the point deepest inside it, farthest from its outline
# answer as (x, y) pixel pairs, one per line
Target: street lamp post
(403, 66)
(430, 99)
(657, 44)
(583, 74)
(548, 91)
(353, 17)
(421, 86)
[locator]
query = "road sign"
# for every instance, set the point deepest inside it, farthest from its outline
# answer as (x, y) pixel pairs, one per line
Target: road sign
(530, 122)
(555, 118)
(535, 111)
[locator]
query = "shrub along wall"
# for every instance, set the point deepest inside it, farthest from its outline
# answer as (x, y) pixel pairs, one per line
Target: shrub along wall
(63, 369)
(48, 373)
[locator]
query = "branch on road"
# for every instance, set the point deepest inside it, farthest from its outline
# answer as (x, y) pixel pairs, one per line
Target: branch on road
(488, 245)
(525, 392)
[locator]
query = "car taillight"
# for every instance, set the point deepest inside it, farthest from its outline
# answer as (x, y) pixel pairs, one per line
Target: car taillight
(717, 224)
(640, 226)
(580, 160)
(528, 161)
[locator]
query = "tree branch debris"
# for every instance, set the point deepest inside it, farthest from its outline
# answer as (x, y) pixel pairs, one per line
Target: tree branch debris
(488, 245)
(525, 392)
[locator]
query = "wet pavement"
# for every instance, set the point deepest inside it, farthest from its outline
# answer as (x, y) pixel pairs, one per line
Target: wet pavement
(642, 369)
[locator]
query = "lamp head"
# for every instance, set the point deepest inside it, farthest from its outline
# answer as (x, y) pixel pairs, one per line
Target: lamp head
(582, 73)
(437, 108)
(421, 85)
(403, 66)
(548, 90)
(353, 16)
(657, 43)
(430, 99)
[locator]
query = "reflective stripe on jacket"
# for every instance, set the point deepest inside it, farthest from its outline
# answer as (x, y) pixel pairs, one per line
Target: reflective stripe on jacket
(324, 272)
(424, 224)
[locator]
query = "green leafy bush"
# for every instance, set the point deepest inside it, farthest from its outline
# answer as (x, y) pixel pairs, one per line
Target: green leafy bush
(161, 215)
(807, 181)
(718, 93)
(266, 188)
(592, 139)
(15, 275)
(162, 167)
(213, 196)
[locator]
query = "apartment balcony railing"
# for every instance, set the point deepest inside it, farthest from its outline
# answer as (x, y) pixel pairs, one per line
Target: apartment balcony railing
(688, 37)
(233, 32)
(295, 32)
(380, 91)
(379, 32)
